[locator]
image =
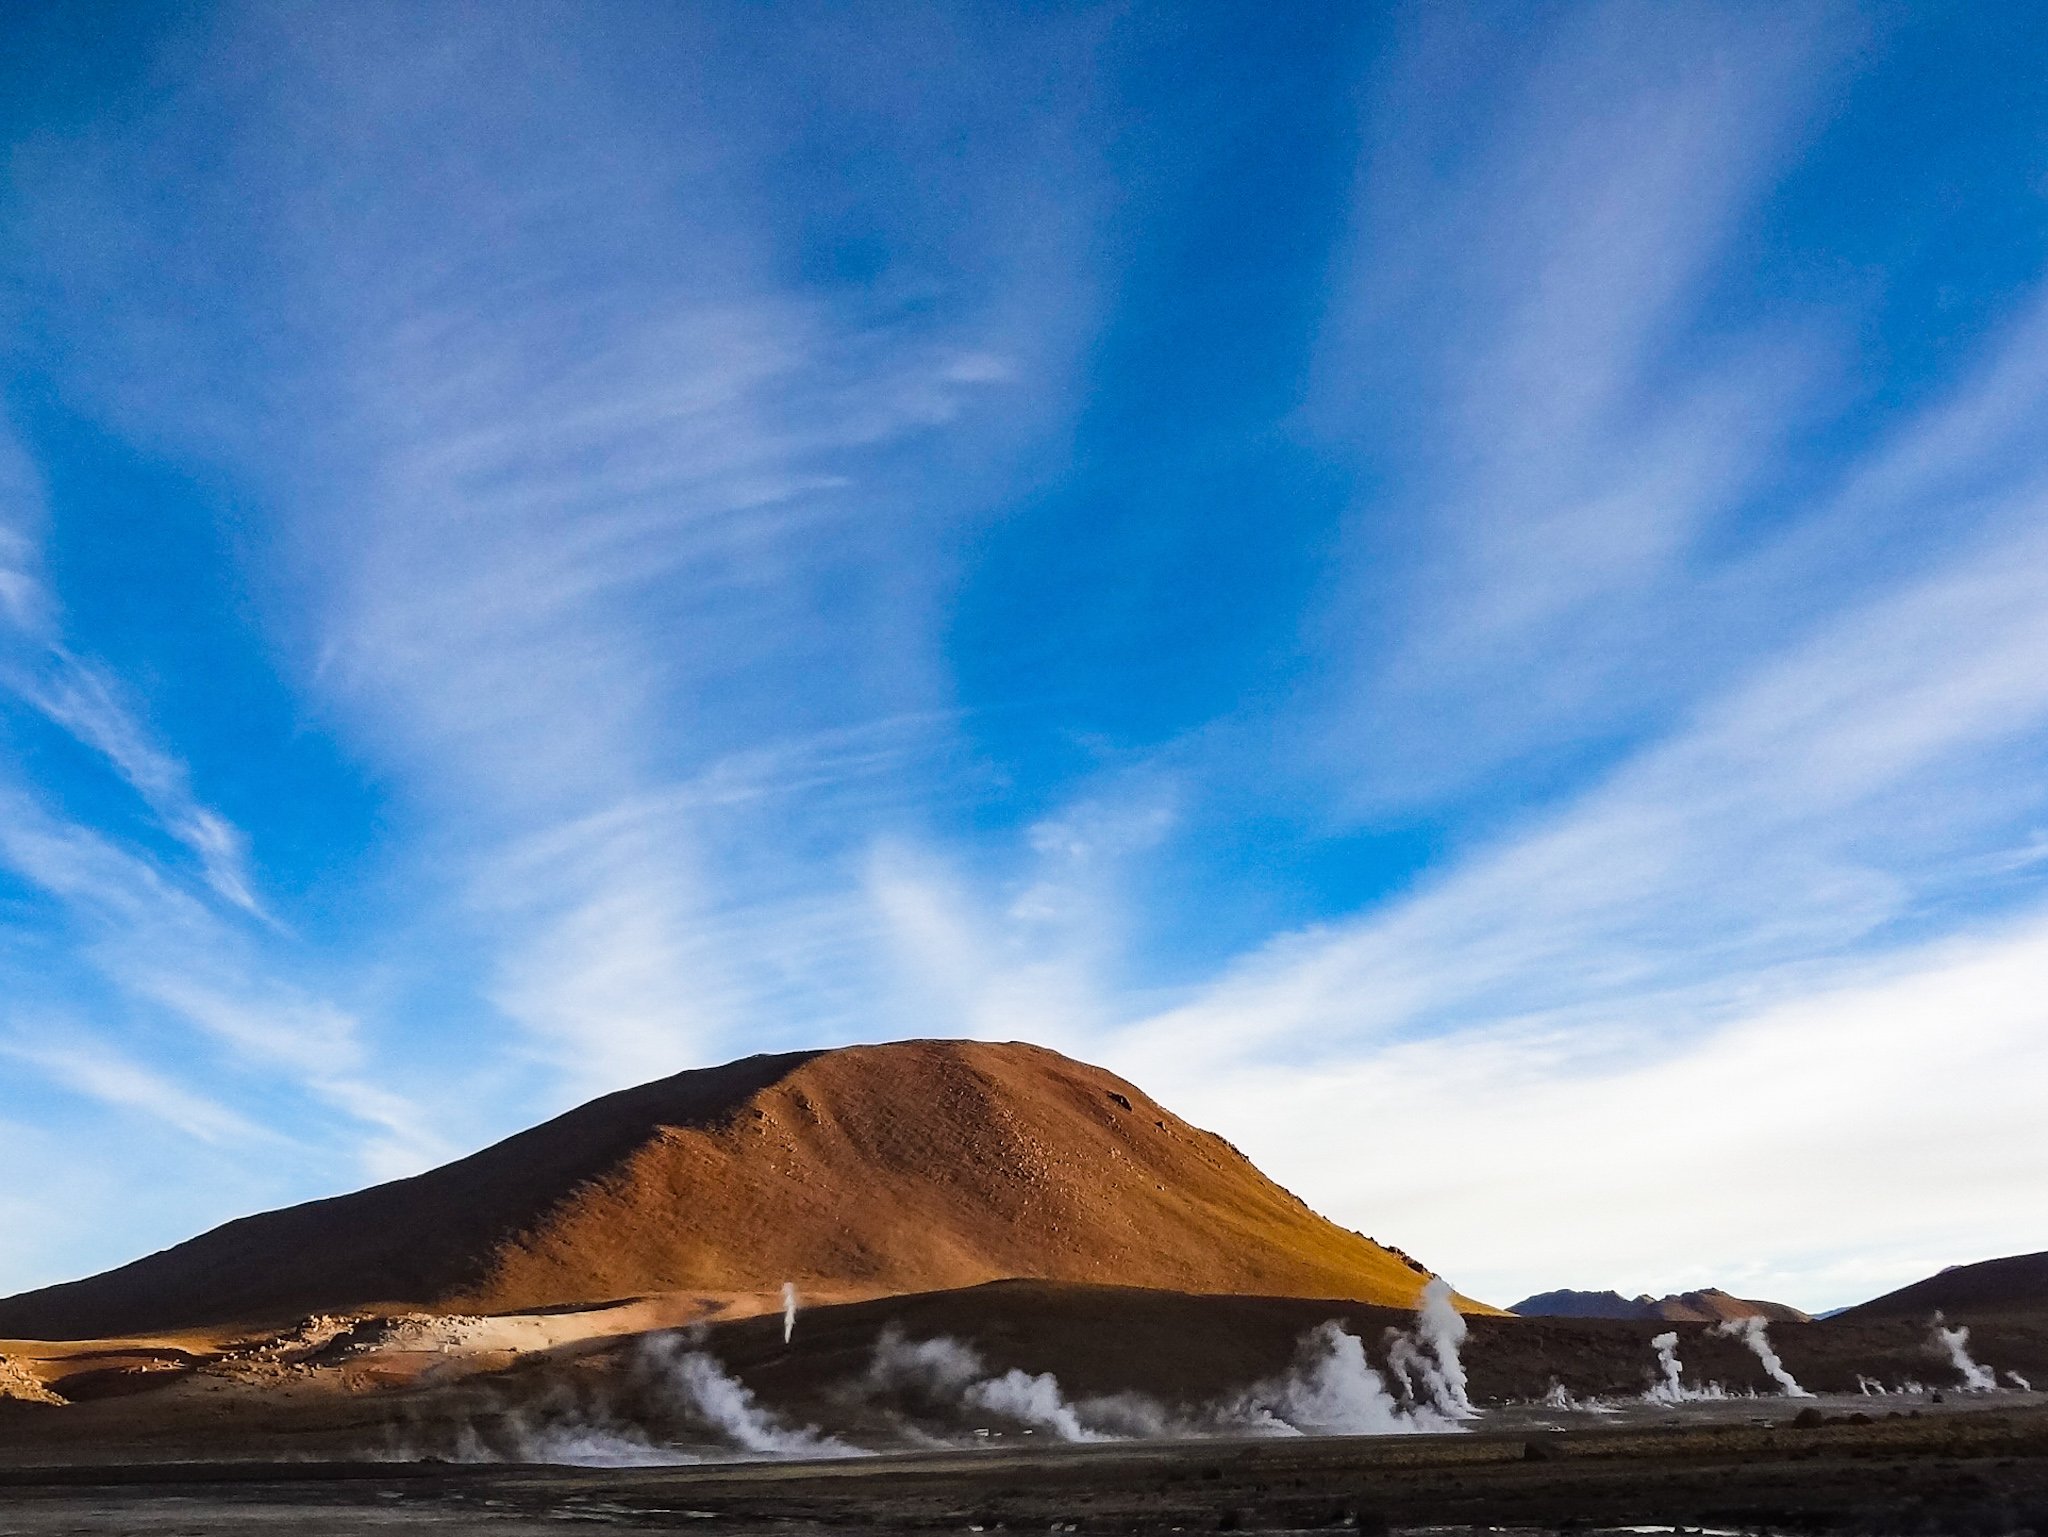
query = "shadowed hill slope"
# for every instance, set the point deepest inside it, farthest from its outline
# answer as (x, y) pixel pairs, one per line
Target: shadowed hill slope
(2015, 1284)
(910, 1167)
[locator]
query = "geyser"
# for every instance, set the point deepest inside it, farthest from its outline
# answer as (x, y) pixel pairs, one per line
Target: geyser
(1955, 1343)
(1751, 1332)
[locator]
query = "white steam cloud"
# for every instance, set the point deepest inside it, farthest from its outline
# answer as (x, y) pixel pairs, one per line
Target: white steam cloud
(677, 1404)
(1034, 1400)
(938, 1368)
(1331, 1388)
(686, 1408)
(1751, 1332)
(705, 1391)
(944, 1378)
(2019, 1382)
(1956, 1344)
(1425, 1358)
(1670, 1386)
(575, 1445)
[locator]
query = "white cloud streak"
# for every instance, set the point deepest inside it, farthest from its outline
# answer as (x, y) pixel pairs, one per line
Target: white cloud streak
(601, 533)
(101, 1072)
(83, 699)
(586, 527)
(1819, 1149)
(137, 922)
(1527, 286)
(162, 946)
(1811, 804)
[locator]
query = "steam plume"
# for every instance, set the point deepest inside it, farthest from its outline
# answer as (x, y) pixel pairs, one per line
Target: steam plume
(1671, 1389)
(673, 1393)
(703, 1389)
(1750, 1331)
(1426, 1356)
(1033, 1400)
(943, 1376)
(938, 1368)
(2018, 1381)
(1330, 1390)
(1956, 1342)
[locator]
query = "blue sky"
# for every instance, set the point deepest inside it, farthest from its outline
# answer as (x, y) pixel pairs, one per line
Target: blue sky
(1462, 594)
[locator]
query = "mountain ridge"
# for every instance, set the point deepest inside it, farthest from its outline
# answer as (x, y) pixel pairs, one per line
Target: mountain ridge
(1709, 1304)
(870, 1170)
(2012, 1283)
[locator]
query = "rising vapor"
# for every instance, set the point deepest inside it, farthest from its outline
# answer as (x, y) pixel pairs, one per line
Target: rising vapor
(683, 1406)
(1955, 1343)
(1751, 1332)
(1670, 1387)
(1424, 1358)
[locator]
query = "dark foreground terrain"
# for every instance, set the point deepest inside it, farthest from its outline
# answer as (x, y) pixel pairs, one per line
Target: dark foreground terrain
(337, 1401)
(357, 1429)
(1981, 1470)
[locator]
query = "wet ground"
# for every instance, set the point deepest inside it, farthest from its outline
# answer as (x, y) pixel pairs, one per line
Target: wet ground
(1962, 1469)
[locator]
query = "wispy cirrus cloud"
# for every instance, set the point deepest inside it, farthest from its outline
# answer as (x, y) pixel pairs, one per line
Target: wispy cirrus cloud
(1813, 729)
(1771, 896)
(560, 687)
(1813, 806)
(164, 947)
(1531, 297)
(586, 528)
(613, 418)
(1819, 1147)
(101, 1072)
(609, 536)
(85, 700)
(159, 937)
(1562, 423)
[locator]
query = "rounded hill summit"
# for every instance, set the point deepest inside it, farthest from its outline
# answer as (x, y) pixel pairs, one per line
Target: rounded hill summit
(914, 1166)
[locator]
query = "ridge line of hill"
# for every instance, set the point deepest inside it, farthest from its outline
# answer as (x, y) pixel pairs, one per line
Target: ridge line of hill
(910, 1166)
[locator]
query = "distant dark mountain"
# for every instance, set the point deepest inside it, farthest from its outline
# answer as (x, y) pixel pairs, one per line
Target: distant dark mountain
(2015, 1284)
(1708, 1305)
(1574, 1304)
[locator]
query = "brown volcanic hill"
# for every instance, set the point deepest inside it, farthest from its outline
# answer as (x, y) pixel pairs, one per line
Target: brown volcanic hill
(2015, 1284)
(1708, 1305)
(1712, 1305)
(910, 1167)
